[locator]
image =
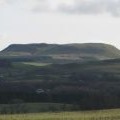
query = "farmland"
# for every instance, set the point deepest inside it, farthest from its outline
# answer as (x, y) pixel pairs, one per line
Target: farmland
(84, 115)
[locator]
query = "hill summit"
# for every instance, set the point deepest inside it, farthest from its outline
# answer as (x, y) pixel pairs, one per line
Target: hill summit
(63, 51)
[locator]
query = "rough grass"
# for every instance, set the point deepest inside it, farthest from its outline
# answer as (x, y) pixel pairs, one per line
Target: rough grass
(35, 108)
(89, 115)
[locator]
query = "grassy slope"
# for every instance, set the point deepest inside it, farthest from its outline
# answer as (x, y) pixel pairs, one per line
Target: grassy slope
(88, 49)
(36, 63)
(89, 115)
(58, 76)
(35, 108)
(29, 68)
(103, 49)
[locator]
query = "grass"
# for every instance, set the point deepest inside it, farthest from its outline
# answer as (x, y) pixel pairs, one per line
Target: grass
(36, 63)
(88, 115)
(35, 107)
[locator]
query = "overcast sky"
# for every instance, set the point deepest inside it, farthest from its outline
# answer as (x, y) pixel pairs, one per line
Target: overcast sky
(59, 21)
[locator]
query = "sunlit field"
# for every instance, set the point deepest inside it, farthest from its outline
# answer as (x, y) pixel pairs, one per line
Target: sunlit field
(89, 115)
(36, 64)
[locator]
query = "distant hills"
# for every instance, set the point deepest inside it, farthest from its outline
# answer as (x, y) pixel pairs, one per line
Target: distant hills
(86, 51)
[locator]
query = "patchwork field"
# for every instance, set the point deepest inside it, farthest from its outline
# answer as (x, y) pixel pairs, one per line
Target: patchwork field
(89, 115)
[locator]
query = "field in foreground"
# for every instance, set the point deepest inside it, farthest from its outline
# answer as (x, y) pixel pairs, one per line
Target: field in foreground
(89, 115)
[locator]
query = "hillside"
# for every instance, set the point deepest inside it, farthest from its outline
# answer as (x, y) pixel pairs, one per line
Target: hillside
(35, 79)
(88, 85)
(68, 52)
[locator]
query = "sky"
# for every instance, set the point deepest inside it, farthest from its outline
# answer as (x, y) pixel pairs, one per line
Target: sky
(59, 21)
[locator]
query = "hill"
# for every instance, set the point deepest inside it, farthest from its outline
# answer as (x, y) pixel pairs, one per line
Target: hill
(90, 85)
(68, 52)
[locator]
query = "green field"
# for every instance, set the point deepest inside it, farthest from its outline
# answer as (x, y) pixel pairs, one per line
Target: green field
(36, 63)
(88, 115)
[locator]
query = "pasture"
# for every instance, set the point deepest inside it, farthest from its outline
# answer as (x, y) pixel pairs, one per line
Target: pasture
(84, 115)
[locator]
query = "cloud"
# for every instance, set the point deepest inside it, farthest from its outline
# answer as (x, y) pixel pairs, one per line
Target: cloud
(79, 6)
(42, 6)
(51, 5)
(2, 2)
(69, 6)
(92, 7)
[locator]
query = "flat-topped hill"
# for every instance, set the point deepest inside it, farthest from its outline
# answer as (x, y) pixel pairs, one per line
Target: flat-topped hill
(64, 51)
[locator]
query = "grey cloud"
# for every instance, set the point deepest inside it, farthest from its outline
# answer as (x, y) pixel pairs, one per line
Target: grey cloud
(33, 5)
(42, 6)
(92, 7)
(8, 1)
(77, 7)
